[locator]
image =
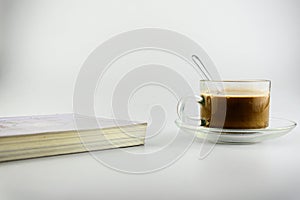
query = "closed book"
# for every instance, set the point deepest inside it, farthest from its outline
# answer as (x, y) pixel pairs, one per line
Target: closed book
(48, 135)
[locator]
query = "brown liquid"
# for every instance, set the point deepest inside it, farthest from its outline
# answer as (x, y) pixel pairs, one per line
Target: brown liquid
(236, 110)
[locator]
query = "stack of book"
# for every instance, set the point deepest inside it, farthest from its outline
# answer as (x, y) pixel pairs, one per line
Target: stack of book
(49, 135)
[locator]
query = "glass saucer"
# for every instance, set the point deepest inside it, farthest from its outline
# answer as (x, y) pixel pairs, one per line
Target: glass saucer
(277, 127)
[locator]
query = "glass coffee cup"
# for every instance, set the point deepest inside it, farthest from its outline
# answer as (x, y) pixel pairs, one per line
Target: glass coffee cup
(232, 104)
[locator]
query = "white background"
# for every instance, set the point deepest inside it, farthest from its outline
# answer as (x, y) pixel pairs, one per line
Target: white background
(44, 44)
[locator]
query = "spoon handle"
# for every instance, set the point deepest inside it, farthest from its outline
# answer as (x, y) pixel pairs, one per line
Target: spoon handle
(201, 66)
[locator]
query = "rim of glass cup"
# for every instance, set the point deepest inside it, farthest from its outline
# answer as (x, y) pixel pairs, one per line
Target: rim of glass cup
(239, 81)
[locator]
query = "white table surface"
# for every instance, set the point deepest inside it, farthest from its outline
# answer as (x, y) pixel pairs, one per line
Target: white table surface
(268, 170)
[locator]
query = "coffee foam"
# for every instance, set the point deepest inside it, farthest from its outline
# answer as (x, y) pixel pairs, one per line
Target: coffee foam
(237, 93)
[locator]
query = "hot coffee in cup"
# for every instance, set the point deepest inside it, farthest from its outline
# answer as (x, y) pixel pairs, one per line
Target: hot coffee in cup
(232, 104)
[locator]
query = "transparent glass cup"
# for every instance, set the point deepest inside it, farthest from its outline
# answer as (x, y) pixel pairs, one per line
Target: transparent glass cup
(232, 104)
